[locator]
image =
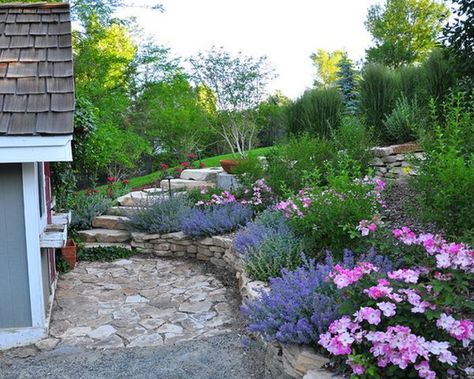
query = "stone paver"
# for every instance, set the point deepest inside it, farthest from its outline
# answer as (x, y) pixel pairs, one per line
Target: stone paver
(138, 302)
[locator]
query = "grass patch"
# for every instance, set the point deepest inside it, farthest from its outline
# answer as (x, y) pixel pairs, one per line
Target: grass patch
(214, 161)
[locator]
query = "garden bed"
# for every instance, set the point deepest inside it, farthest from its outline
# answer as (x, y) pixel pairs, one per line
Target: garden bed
(297, 361)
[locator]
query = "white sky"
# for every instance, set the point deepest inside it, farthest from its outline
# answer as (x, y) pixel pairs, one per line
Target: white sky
(286, 31)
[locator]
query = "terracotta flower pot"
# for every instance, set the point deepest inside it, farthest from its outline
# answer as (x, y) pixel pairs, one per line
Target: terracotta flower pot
(229, 165)
(69, 253)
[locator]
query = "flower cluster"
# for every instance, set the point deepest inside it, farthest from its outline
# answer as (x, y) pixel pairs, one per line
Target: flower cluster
(462, 330)
(224, 198)
(366, 227)
(448, 255)
(343, 277)
(381, 331)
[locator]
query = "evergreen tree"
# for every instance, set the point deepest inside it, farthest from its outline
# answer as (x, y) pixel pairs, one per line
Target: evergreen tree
(346, 83)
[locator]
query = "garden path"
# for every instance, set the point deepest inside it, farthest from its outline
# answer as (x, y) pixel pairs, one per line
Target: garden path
(139, 302)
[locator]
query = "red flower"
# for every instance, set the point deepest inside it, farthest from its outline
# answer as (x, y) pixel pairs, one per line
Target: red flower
(202, 165)
(185, 164)
(192, 156)
(164, 166)
(178, 169)
(125, 181)
(111, 179)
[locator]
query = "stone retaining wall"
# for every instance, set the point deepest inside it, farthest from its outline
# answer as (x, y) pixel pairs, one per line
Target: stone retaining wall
(392, 162)
(296, 361)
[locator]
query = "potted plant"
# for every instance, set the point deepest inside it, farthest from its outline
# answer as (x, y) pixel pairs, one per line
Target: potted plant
(69, 253)
(229, 165)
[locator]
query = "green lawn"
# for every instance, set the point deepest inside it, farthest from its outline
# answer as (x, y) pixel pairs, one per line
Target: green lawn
(209, 162)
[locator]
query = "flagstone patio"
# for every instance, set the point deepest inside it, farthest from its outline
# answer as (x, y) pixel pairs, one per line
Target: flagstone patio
(139, 302)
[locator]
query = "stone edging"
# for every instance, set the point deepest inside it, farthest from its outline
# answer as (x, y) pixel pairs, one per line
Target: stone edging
(297, 361)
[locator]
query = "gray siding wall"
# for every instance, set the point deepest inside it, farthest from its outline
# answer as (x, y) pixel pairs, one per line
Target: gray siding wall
(15, 305)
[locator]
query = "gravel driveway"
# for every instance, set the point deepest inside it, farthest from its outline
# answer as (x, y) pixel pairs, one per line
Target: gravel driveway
(216, 357)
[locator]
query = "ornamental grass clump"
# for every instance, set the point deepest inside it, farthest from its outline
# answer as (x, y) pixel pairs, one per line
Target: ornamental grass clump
(161, 217)
(216, 219)
(409, 322)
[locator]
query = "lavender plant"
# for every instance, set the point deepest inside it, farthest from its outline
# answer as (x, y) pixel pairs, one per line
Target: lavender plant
(301, 304)
(277, 252)
(163, 216)
(267, 224)
(215, 220)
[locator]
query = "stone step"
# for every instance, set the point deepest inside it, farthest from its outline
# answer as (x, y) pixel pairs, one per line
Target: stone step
(104, 235)
(110, 222)
(121, 211)
(138, 199)
(91, 245)
(202, 174)
(186, 184)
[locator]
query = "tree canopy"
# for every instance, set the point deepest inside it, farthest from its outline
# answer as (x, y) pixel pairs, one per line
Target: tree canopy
(326, 63)
(405, 31)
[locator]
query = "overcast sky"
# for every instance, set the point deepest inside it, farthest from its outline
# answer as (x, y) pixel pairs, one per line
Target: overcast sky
(286, 31)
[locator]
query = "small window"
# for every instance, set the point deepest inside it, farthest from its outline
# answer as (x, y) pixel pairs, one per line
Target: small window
(41, 188)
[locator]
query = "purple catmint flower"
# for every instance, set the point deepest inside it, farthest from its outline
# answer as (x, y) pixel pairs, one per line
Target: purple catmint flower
(216, 219)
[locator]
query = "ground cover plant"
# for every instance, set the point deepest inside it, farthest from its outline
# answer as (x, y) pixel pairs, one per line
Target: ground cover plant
(85, 206)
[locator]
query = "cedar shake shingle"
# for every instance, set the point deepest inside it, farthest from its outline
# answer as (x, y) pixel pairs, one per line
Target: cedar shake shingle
(17, 29)
(4, 121)
(60, 85)
(22, 70)
(30, 86)
(39, 29)
(9, 55)
(22, 123)
(21, 41)
(7, 86)
(46, 41)
(38, 103)
(62, 102)
(54, 123)
(60, 55)
(63, 69)
(15, 103)
(36, 69)
(32, 55)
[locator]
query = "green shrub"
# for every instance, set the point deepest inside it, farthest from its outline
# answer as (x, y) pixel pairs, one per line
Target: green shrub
(446, 176)
(379, 89)
(163, 216)
(317, 112)
(333, 213)
(103, 253)
(249, 170)
(275, 253)
(354, 140)
(402, 124)
(290, 164)
(85, 206)
(196, 195)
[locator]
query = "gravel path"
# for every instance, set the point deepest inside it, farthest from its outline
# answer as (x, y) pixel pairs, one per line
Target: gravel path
(216, 357)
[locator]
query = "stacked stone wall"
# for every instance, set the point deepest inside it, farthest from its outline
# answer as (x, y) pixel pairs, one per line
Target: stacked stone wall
(396, 162)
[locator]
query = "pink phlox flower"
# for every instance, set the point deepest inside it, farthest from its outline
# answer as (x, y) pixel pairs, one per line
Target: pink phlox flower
(387, 308)
(405, 235)
(369, 314)
(424, 370)
(405, 275)
(344, 277)
(357, 369)
(462, 330)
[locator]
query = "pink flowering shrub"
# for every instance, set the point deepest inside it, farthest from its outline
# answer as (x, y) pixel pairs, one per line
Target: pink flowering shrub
(405, 323)
(259, 197)
(324, 216)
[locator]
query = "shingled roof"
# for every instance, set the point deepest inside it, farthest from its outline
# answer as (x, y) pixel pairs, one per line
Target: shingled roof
(36, 70)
